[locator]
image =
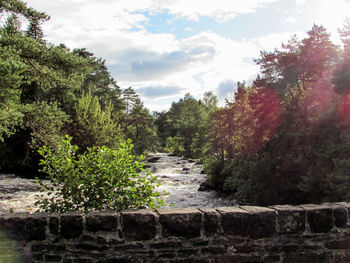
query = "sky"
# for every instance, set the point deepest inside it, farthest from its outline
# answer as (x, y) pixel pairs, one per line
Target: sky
(167, 48)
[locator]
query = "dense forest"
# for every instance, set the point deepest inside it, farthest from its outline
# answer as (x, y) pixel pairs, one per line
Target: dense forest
(283, 139)
(49, 91)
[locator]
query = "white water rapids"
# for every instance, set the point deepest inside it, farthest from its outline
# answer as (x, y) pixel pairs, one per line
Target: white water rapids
(181, 178)
(178, 176)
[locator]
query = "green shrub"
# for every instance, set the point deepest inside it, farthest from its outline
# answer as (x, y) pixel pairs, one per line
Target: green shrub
(101, 178)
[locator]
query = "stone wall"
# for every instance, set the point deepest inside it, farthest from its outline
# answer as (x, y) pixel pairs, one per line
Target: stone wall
(306, 233)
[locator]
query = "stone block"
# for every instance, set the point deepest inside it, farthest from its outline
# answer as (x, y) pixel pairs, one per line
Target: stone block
(71, 225)
(319, 218)
(180, 222)
(48, 248)
(90, 247)
(211, 221)
(139, 225)
(237, 258)
(53, 258)
(25, 227)
(291, 219)
(340, 216)
(234, 220)
(77, 260)
(214, 250)
(342, 244)
(340, 213)
(342, 256)
(345, 205)
(35, 228)
(54, 224)
(308, 257)
(262, 221)
(167, 244)
(101, 222)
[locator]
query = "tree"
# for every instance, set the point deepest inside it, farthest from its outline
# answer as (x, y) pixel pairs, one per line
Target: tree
(283, 140)
(95, 126)
(34, 75)
(186, 125)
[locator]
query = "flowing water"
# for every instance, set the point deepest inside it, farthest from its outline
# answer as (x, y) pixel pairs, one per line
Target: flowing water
(178, 176)
(181, 178)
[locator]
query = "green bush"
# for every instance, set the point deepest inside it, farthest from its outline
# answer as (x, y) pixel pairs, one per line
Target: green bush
(101, 178)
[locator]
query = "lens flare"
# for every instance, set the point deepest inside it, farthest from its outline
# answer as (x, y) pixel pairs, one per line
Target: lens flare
(344, 112)
(266, 116)
(259, 120)
(317, 101)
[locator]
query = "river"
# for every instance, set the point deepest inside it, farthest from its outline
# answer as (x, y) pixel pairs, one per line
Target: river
(178, 176)
(181, 178)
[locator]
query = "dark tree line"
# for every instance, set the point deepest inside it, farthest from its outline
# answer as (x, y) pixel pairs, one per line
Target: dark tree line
(285, 139)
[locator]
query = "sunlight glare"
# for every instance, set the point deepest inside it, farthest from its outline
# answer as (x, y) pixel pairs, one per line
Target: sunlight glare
(332, 14)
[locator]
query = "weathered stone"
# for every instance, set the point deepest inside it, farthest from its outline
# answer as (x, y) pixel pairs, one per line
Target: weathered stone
(345, 205)
(71, 225)
(187, 252)
(308, 257)
(340, 213)
(262, 221)
(338, 244)
(234, 220)
(25, 227)
(39, 257)
(214, 250)
(35, 228)
(90, 247)
(180, 222)
(342, 257)
(167, 244)
(272, 259)
(101, 222)
(48, 248)
(199, 242)
(77, 260)
(52, 258)
(133, 246)
(237, 258)
(232, 234)
(291, 219)
(319, 218)
(340, 217)
(211, 221)
(53, 224)
(139, 225)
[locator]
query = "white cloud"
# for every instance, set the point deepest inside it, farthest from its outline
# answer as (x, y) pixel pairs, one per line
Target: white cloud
(92, 11)
(272, 41)
(300, 2)
(290, 20)
(221, 10)
(148, 61)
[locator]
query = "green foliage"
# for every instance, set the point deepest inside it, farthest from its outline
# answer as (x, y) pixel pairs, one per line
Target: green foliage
(101, 178)
(291, 148)
(138, 123)
(94, 126)
(184, 129)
